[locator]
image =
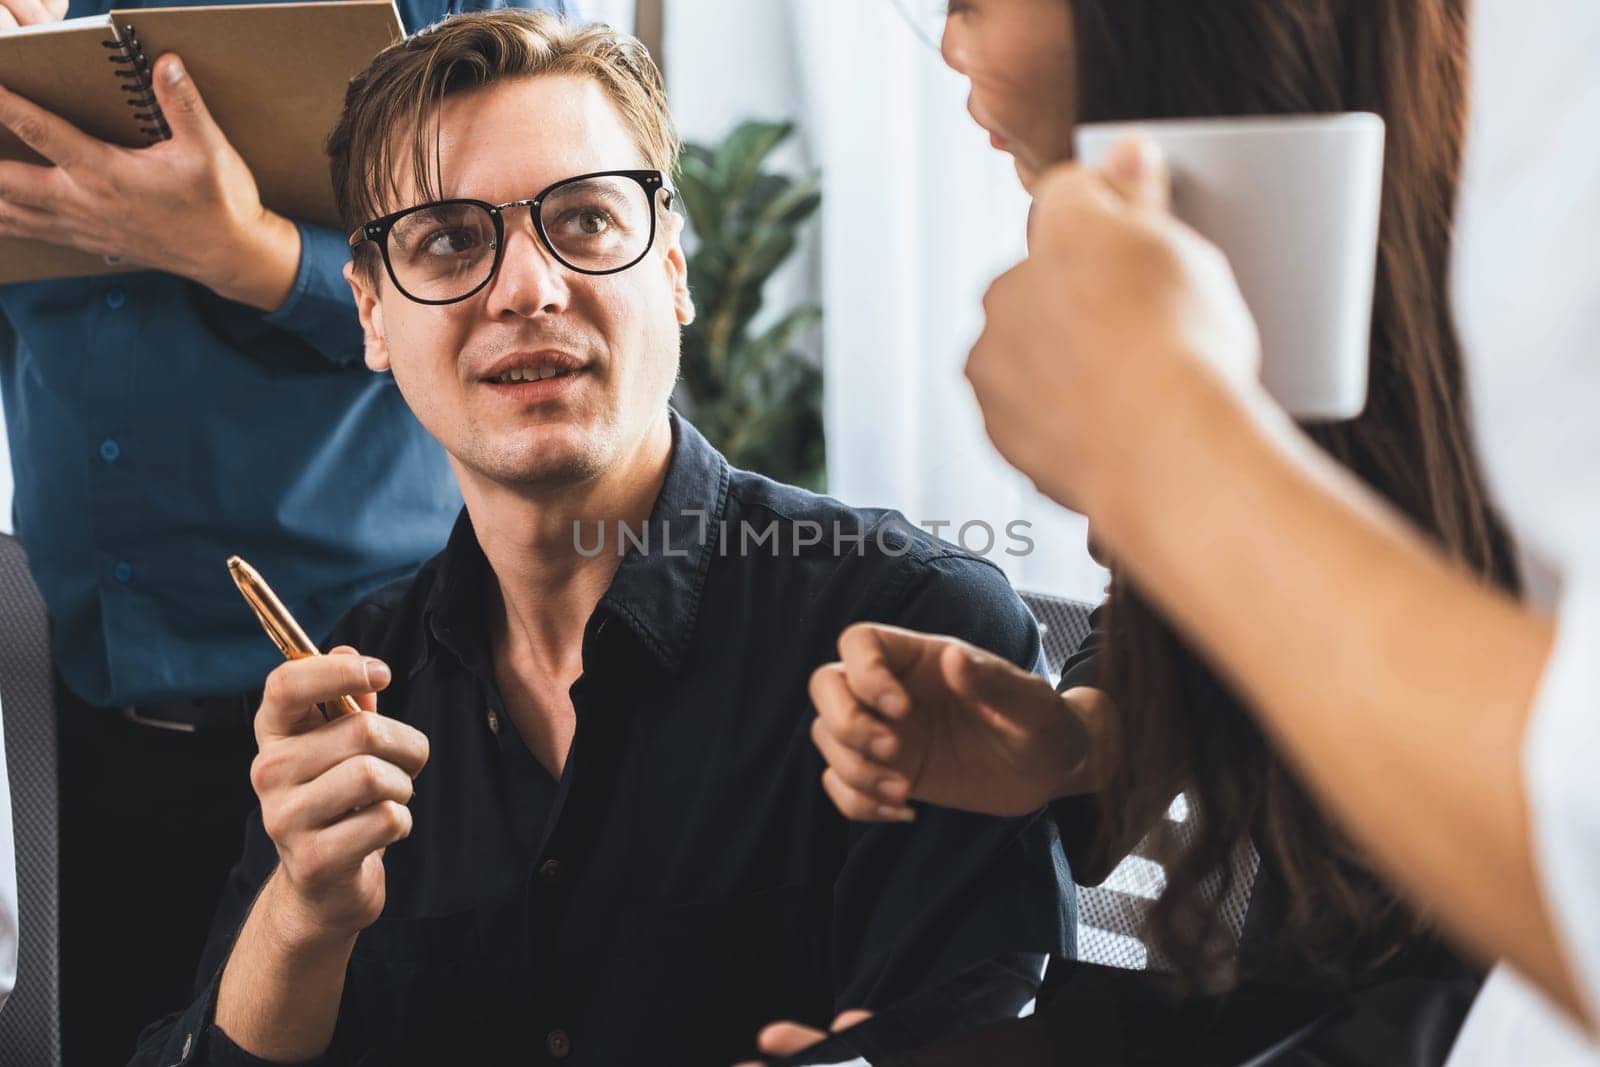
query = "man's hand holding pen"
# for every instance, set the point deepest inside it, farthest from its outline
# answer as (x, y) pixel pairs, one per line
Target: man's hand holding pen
(333, 798)
(333, 794)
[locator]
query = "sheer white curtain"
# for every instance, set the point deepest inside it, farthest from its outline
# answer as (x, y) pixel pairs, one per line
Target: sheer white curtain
(920, 214)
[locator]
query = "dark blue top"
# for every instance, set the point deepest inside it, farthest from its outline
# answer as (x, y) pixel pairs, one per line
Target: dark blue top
(686, 880)
(157, 429)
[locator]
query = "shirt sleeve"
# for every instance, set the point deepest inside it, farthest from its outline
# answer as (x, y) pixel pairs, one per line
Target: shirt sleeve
(1559, 762)
(1078, 818)
(917, 905)
(8, 885)
(190, 1038)
(1082, 668)
(321, 309)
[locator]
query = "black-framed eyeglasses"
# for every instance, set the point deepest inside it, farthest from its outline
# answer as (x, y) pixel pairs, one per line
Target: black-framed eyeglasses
(444, 252)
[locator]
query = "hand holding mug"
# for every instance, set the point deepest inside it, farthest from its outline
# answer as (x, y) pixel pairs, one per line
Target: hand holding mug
(1105, 344)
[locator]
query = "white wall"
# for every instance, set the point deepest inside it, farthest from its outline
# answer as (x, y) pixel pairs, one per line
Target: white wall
(618, 13)
(731, 60)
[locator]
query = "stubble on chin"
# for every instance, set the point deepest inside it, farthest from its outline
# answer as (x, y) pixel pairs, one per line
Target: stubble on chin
(531, 467)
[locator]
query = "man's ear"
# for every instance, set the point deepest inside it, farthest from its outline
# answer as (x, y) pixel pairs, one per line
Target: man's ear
(371, 313)
(678, 269)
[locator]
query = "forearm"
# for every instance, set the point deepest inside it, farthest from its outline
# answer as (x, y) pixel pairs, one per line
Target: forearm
(1398, 685)
(280, 992)
(260, 266)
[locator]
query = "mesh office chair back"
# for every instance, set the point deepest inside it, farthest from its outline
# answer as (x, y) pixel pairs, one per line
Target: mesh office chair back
(30, 1033)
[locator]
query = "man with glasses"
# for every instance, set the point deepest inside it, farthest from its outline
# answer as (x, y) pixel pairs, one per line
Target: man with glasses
(211, 401)
(588, 822)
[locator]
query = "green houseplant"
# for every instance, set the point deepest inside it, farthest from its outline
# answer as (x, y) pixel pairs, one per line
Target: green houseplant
(753, 394)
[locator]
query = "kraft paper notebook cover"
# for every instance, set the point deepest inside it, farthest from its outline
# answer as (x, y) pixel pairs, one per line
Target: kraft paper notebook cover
(272, 75)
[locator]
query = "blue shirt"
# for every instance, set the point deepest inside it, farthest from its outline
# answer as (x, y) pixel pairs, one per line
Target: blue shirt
(156, 429)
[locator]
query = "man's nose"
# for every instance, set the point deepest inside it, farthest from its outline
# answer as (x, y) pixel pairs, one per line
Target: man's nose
(531, 279)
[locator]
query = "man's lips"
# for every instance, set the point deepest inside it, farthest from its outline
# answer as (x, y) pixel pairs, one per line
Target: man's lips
(531, 377)
(520, 368)
(536, 391)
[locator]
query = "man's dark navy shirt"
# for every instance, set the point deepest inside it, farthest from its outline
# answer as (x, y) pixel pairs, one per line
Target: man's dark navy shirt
(687, 880)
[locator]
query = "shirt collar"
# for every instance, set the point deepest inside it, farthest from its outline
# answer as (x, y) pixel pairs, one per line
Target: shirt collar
(656, 590)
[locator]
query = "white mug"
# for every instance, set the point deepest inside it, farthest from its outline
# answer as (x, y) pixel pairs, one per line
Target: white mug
(1294, 203)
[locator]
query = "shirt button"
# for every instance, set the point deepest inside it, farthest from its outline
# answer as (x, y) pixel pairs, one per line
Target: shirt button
(492, 717)
(558, 1044)
(110, 451)
(123, 572)
(115, 298)
(550, 871)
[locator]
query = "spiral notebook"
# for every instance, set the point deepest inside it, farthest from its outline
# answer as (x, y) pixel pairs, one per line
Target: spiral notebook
(273, 76)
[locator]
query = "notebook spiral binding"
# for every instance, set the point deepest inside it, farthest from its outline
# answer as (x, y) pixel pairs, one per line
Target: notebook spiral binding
(134, 70)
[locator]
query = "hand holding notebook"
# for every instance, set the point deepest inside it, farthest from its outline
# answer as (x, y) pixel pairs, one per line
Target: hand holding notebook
(26, 12)
(198, 176)
(188, 205)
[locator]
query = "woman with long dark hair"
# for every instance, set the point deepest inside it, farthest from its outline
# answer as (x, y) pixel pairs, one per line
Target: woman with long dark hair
(1141, 718)
(1180, 728)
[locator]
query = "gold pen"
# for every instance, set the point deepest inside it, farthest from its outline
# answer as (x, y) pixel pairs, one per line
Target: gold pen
(279, 624)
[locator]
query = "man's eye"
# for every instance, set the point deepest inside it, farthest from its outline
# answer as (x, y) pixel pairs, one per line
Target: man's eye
(587, 222)
(452, 242)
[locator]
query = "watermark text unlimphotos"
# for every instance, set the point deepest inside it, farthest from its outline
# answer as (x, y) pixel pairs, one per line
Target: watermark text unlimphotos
(892, 537)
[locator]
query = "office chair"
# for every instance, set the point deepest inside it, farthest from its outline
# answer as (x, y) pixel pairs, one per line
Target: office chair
(1111, 915)
(30, 1033)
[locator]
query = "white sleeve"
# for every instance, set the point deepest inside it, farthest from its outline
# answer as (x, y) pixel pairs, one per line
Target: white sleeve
(1512, 1022)
(1562, 764)
(8, 883)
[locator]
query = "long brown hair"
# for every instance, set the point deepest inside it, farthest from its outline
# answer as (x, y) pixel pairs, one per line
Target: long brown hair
(1182, 729)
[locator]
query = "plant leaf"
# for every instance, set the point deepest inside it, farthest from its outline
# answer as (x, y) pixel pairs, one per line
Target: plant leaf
(740, 157)
(755, 397)
(698, 189)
